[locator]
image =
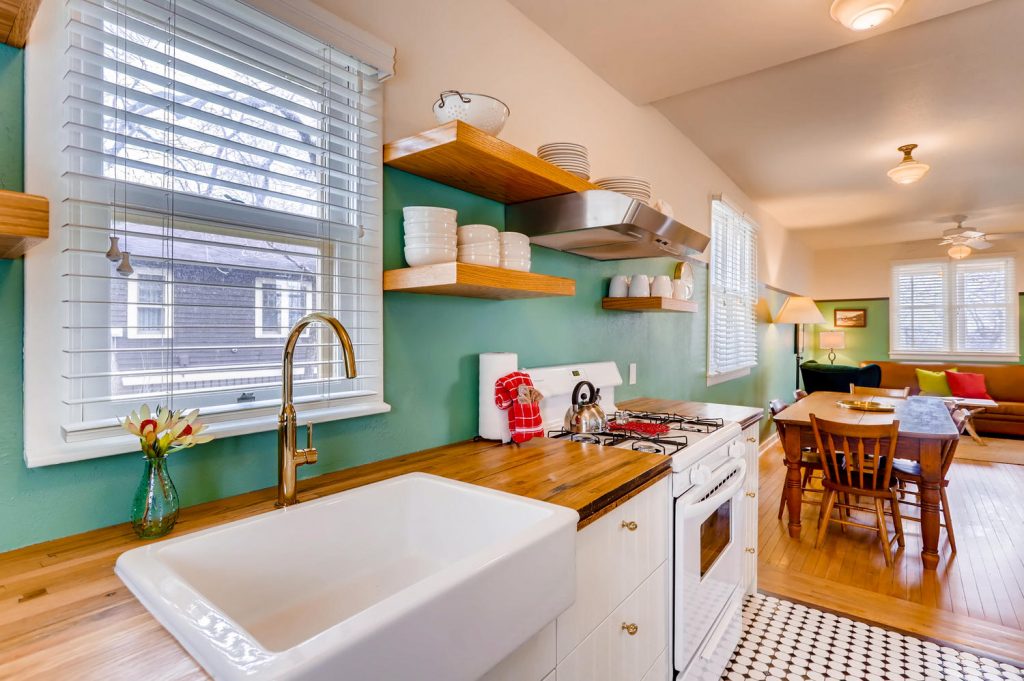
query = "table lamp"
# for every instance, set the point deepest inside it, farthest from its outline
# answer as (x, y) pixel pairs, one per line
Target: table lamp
(832, 341)
(799, 310)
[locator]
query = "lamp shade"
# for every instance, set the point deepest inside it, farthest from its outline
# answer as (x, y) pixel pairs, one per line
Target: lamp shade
(832, 340)
(799, 310)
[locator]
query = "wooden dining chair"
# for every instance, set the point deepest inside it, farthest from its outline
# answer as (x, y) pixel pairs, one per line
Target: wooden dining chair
(809, 461)
(879, 392)
(799, 395)
(909, 472)
(857, 461)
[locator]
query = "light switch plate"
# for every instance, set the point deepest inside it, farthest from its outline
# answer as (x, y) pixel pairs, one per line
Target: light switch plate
(632, 373)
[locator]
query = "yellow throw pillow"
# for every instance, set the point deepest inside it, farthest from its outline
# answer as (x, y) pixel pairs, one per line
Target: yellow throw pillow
(933, 382)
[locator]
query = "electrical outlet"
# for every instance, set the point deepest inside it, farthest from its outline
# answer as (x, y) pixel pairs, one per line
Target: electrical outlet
(632, 373)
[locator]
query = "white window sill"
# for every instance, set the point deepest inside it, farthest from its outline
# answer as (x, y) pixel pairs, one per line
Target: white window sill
(715, 379)
(951, 357)
(110, 441)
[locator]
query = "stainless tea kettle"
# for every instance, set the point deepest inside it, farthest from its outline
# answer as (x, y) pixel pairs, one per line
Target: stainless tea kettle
(585, 415)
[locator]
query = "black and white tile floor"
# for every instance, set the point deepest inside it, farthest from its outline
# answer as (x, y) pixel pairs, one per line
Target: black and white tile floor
(785, 641)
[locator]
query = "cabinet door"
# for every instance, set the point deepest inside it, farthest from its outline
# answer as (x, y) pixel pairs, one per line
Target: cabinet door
(613, 556)
(612, 652)
(660, 670)
(532, 661)
(752, 441)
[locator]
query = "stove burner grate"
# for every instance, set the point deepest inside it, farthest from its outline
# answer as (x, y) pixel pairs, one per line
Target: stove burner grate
(667, 445)
(692, 424)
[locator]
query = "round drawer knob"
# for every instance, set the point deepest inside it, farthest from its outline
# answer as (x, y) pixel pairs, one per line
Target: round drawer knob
(630, 629)
(751, 439)
(751, 494)
(749, 549)
(630, 525)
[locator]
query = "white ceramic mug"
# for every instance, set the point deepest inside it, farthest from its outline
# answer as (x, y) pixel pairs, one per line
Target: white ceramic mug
(619, 286)
(639, 286)
(681, 290)
(662, 286)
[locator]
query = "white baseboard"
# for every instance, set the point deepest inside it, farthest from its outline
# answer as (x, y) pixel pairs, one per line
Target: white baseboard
(768, 444)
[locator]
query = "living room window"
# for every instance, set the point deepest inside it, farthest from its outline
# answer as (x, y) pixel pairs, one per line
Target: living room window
(960, 309)
(237, 159)
(732, 294)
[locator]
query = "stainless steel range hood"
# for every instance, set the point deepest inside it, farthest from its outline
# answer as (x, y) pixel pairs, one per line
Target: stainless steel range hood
(603, 225)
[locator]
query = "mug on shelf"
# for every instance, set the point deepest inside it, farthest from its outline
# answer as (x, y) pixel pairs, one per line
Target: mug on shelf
(639, 286)
(619, 286)
(662, 286)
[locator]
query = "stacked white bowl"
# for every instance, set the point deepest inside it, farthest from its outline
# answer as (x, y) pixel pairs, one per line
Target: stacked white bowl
(515, 251)
(568, 156)
(479, 245)
(430, 236)
(634, 187)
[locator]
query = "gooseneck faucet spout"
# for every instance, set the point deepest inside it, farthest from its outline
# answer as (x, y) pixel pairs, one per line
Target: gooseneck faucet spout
(289, 457)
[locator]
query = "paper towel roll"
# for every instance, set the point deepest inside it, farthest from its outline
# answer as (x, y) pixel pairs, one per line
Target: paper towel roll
(494, 421)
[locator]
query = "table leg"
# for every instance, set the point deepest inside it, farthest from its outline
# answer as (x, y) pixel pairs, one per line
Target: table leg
(931, 474)
(971, 431)
(793, 489)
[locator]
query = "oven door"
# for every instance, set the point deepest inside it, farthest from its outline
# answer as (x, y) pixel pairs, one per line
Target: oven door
(709, 526)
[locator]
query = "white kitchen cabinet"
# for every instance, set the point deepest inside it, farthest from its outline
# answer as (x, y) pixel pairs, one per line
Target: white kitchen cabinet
(660, 670)
(628, 641)
(751, 438)
(551, 677)
(532, 661)
(614, 555)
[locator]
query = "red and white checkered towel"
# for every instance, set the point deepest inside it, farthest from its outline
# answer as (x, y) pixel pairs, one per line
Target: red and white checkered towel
(516, 394)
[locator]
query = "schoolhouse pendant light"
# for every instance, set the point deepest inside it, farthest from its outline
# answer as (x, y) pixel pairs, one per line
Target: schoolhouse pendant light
(909, 170)
(959, 251)
(861, 15)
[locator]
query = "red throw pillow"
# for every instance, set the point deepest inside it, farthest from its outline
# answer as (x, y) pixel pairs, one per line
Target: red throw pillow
(967, 385)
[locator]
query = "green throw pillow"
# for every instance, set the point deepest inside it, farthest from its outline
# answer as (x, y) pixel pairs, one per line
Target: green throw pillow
(933, 382)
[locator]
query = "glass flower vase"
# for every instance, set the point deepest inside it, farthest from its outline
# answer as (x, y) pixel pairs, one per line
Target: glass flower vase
(155, 508)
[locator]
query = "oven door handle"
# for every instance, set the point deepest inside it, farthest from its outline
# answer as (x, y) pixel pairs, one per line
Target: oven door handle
(703, 507)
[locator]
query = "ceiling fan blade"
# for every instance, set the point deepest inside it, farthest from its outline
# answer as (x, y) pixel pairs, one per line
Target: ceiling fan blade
(978, 244)
(1004, 235)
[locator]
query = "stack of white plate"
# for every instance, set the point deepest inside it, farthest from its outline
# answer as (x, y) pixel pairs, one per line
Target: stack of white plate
(567, 156)
(515, 251)
(429, 235)
(634, 187)
(479, 245)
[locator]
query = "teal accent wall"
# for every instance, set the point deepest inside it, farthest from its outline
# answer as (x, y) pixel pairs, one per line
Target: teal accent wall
(431, 345)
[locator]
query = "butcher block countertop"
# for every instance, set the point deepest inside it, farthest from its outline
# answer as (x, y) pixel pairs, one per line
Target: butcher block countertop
(64, 614)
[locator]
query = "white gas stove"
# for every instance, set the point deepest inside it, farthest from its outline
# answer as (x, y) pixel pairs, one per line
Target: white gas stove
(708, 476)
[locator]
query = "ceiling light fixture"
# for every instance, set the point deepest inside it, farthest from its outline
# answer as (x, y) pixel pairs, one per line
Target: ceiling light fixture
(959, 251)
(909, 170)
(861, 15)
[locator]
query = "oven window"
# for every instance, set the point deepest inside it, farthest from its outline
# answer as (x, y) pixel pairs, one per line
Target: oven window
(715, 534)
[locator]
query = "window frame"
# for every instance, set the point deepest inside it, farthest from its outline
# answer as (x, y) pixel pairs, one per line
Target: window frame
(258, 288)
(749, 281)
(133, 305)
(951, 307)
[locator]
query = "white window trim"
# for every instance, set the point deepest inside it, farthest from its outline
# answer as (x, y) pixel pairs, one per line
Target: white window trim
(286, 286)
(133, 305)
(715, 379)
(45, 67)
(953, 356)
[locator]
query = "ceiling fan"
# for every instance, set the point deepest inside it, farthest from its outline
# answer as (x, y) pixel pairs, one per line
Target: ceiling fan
(963, 240)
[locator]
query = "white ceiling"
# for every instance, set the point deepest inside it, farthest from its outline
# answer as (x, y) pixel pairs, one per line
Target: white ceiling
(810, 139)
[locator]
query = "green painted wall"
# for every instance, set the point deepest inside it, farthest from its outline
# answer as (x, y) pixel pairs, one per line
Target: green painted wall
(430, 350)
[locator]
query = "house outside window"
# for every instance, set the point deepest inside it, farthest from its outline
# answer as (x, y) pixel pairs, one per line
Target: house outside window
(150, 314)
(279, 304)
(955, 310)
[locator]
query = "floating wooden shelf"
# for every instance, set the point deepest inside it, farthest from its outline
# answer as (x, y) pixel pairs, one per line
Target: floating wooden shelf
(652, 304)
(476, 281)
(464, 157)
(15, 19)
(24, 222)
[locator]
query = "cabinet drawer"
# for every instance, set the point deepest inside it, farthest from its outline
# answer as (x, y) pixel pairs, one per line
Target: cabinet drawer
(611, 653)
(530, 662)
(659, 671)
(612, 560)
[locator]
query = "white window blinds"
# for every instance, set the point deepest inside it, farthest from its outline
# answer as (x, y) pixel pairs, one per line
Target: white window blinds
(961, 308)
(237, 160)
(732, 293)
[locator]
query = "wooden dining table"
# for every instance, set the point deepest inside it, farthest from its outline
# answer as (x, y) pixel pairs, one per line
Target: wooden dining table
(925, 426)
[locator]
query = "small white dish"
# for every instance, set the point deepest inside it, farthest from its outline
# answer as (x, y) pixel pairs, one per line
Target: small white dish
(639, 286)
(430, 213)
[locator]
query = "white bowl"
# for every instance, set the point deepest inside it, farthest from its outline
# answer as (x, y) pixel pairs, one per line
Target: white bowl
(430, 213)
(432, 241)
(515, 255)
(520, 265)
(480, 111)
(428, 255)
(489, 260)
(514, 238)
(472, 234)
(481, 248)
(430, 229)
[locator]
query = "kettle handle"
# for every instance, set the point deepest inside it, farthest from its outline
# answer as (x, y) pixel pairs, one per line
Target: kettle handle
(576, 393)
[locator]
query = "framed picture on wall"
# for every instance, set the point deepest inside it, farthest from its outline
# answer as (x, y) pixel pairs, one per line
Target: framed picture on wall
(851, 318)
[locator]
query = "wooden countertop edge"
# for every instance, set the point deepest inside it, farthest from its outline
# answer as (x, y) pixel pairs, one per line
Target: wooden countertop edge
(661, 475)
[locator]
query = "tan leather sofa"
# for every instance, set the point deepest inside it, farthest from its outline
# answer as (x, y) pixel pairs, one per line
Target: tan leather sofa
(1005, 383)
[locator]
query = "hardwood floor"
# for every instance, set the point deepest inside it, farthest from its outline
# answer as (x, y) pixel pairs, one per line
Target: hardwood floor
(975, 598)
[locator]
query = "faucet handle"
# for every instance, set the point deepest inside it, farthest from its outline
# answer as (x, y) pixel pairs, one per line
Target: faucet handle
(309, 435)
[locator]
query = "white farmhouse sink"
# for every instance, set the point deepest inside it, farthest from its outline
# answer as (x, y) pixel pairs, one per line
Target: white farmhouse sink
(416, 577)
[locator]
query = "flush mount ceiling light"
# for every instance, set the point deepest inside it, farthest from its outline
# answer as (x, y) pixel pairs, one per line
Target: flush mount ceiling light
(959, 252)
(909, 170)
(861, 15)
